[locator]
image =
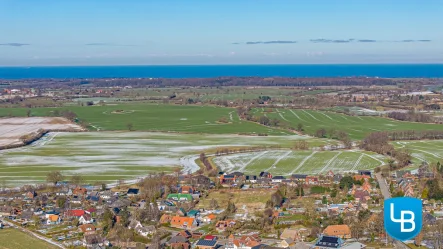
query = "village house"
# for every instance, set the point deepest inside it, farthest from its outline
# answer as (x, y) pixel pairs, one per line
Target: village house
(31, 194)
(278, 179)
(244, 242)
(251, 178)
(185, 233)
(74, 213)
(222, 225)
(132, 192)
(186, 190)
(328, 242)
(209, 218)
(141, 229)
(106, 195)
(165, 218)
(206, 244)
(80, 191)
(92, 240)
(64, 192)
(53, 220)
(340, 231)
(265, 174)
(227, 180)
(312, 180)
(87, 229)
(86, 219)
(183, 222)
(179, 242)
(337, 178)
(301, 179)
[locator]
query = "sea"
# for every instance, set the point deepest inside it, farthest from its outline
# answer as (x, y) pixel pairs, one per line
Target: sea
(210, 71)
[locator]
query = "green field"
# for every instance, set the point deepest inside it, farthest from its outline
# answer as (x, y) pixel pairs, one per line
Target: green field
(286, 162)
(430, 151)
(233, 93)
(15, 239)
(152, 117)
(357, 127)
(109, 156)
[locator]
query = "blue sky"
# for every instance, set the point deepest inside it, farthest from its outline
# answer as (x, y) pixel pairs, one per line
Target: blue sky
(116, 32)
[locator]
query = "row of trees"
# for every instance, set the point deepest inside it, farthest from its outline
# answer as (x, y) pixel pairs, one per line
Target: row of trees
(204, 159)
(335, 134)
(414, 135)
(379, 142)
(411, 116)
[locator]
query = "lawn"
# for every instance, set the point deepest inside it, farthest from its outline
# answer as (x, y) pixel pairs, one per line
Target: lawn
(110, 156)
(157, 117)
(356, 126)
(287, 162)
(15, 239)
(251, 199)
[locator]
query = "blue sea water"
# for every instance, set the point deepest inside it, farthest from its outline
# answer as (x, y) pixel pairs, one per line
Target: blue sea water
(206, 71)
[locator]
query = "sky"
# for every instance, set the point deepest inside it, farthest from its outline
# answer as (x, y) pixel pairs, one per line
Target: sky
(178, 32)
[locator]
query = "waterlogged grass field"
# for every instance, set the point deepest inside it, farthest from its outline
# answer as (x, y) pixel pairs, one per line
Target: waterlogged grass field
(110, 156)
(430, 151)
(287, 162)
(153, 117)
(356, 126)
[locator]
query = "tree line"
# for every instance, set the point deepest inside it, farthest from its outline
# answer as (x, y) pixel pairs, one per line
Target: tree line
(378, 142)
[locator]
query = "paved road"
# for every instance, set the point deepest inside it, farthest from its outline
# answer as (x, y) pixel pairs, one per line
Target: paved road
(387, 194)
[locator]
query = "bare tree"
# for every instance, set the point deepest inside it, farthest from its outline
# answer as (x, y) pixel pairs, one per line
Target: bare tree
(54, 177)
(76, 179)
(130, 126)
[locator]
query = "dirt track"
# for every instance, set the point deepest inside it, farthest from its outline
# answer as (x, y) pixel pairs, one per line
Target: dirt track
(11, 129)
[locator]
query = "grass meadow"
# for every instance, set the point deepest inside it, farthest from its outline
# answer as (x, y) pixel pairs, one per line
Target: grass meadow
(15, 239)
(356, 126)
(157, 117)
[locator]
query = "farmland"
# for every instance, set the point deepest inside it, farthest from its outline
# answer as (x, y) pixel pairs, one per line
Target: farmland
(110, 156)
(156, 117)
(356, 126)
(430, 151)
(286, 162)
(11, 129)
(14, 239)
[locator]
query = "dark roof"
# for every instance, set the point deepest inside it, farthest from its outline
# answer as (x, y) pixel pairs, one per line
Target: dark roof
(263, 174)
(298, 176)
(203, 242)
(430, 218)
(329, 242)
(237, 173)
(133, 191)
(228, 176)
(364, 172)
(178, 239)
(278, 177)
(251, 177)
(263, 246)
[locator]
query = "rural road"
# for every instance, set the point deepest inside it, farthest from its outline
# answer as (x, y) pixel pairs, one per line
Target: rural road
(386, 194)
(34, 234)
